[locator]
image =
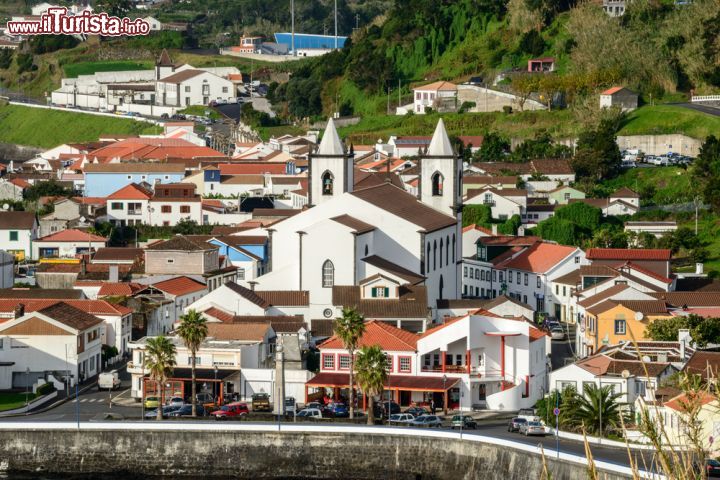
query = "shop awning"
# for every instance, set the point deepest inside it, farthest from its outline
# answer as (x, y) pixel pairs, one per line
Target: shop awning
(395, 382)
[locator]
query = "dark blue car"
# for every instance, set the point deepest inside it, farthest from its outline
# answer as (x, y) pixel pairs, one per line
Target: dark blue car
(337, 410)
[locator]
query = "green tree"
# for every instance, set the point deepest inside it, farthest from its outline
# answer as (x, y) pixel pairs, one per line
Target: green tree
(493, 149)
(706, 171)
(476, 214)
(371, 374)
(702, 330)
(193, 330)
(6, 56)
(581, 214)
(597, 155)
(558, 230)
(117, 8)
(160, 361)
(598, 409)
(349, 328)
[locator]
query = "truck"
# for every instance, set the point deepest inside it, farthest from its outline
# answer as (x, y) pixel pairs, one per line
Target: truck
(109, 380)
(261, 403)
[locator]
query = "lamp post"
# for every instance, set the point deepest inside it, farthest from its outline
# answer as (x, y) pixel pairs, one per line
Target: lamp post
(215, 394)
(445, 395)
(27, 389)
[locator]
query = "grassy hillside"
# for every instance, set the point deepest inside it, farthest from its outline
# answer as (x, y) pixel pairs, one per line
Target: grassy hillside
(73, 70)
(39, 127)
(656, 185)
(662, 119)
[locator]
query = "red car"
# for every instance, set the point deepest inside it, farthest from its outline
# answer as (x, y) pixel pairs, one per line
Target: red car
(235, 409)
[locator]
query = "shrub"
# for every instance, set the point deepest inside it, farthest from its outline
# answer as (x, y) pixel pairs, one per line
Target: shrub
(581, 214)
(556, 229)
(507, 109)
(45, 389)
(476, 214)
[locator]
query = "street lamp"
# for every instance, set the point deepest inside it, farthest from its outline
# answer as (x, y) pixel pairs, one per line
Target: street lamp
(27, 390)
(445, 394)
(215, 372)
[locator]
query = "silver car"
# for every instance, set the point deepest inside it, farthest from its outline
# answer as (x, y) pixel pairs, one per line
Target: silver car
(557, 333)
(401, 418)
(428, 421)
(532, 428)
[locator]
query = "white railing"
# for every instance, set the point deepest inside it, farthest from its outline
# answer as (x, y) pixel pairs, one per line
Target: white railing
(705, 98)
(314, 429)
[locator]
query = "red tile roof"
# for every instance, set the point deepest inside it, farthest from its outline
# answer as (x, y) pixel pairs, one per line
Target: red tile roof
(540, 257)
(20, 182)
(95, 307)
(628, 254)
(645, 271)
(72, 235)
(686, 402)
(379, 333)
(484, 230)
(152, 148)
(179, 286)
(109, 289)
(536, 334)
(612, 90)
(131, 192)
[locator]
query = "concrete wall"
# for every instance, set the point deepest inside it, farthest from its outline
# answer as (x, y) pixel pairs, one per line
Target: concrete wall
(661, 144)
(260, 451)
(488, 100)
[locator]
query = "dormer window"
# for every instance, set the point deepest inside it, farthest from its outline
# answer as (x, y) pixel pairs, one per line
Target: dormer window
(327, 183)
(380, 292)
(437, 184)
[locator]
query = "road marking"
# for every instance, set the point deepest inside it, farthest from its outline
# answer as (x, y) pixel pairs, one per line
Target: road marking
(83, 400)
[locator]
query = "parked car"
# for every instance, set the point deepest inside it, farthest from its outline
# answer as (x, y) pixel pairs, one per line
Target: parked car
(166, 411)
(533, 428)
(712, 468)
(391, 406)
(401, 418)
(165, 116)
(152, 402)
(317, 405)
(463, 421)
(310, 413)
(428, 421)
(336, 410)
(557, 333)
(515, 423)
(261, 402)
(108, 380)
(176, 401)
(417, 411)
(186, 411)
(236, 409)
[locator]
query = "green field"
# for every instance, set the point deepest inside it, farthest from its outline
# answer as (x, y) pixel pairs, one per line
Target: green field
(49, 128)
(73, 70)
(202, 111)
(11, 401)
(663, 119)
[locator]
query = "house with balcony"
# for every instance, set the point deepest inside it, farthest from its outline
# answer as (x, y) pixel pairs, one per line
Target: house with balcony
(481, 360)
(227, 350)
(174, 202)
(439, 96)
(130, 205)
(503, 202)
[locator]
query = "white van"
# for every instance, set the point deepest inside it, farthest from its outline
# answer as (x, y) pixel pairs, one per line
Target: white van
(109, 380)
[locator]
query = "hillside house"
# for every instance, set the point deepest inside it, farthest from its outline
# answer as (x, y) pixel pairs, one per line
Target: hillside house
(620, 97)
(439, 96)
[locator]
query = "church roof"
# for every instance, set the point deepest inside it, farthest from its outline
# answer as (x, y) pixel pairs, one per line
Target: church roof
(331, 143)
(404, 205)
(164, 60)
(440, 145)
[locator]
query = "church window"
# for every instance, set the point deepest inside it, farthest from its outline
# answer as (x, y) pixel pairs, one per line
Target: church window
(437, 184)
(435, 255)
(447, 250)
(327, 183)
(441, 248)
(328, 274)
(453, 248)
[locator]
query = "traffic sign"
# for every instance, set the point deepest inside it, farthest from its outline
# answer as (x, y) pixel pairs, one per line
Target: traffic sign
(556, 411)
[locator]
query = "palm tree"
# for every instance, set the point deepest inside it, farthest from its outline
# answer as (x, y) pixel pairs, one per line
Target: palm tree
(371, 374)
(349, 329)
(160, 360)
(193, 330)
(598, 408)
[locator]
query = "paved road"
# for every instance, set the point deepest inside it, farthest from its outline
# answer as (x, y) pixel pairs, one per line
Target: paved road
(700, 108)
(563, 351)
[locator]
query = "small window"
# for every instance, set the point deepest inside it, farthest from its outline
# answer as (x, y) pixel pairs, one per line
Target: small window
(405, 365)
(13, 235)
(328, 361)
(241, 274)
(116, 206)
(620, 327)
(129, 177)
(380, 292)
(187, 89)
(166, 209)
(526, 279)
(577, 259)
(328, 274)
(465, 269)
(437, 184)
(225, 89)
(327, 183)
(344, 363)
(170, 260)
(472, 273)
(538, 281)
(184, 208)
(518, 278)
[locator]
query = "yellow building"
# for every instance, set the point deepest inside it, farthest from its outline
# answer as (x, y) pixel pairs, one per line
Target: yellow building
(615, 321)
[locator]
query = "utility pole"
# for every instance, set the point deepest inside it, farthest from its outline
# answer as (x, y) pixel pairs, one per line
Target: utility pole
(399, 93)
(388, 101)
(696, 201)
(336, 38)
(357, 21)
(292, 23)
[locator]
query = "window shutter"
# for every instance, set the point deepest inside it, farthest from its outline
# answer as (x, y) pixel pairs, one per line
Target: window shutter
(374, 292)
(387, 292)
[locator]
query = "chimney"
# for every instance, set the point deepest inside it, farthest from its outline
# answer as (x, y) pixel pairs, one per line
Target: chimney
(252, 285)
(699, 268)
(521, 232)
(684, 338)
(494, 229)
(83, 269)
(19, 310)
(113, 275)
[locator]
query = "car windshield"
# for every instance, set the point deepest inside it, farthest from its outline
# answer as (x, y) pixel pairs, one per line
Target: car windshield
(535, 424)
(304, 413)
(226, 408)
(714, 463)
(520, 420)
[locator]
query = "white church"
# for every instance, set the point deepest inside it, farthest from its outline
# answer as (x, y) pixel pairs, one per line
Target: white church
(379, 247)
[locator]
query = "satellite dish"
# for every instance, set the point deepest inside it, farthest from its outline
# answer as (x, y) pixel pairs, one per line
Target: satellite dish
(625, 374)
(638, 316)
(646, 359)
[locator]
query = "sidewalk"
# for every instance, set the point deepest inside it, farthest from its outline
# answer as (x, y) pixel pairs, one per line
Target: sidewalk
(124, 399)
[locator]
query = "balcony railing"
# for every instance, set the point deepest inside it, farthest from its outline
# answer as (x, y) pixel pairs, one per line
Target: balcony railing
(134, 212)
(448, 369)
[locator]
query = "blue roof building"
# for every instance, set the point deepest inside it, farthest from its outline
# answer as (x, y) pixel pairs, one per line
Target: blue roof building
(309, 40)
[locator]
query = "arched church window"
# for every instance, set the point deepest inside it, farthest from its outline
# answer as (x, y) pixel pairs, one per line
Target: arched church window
(328, 274)
(437, 184)
(447, 250)
(441, 249)
(327, 183)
